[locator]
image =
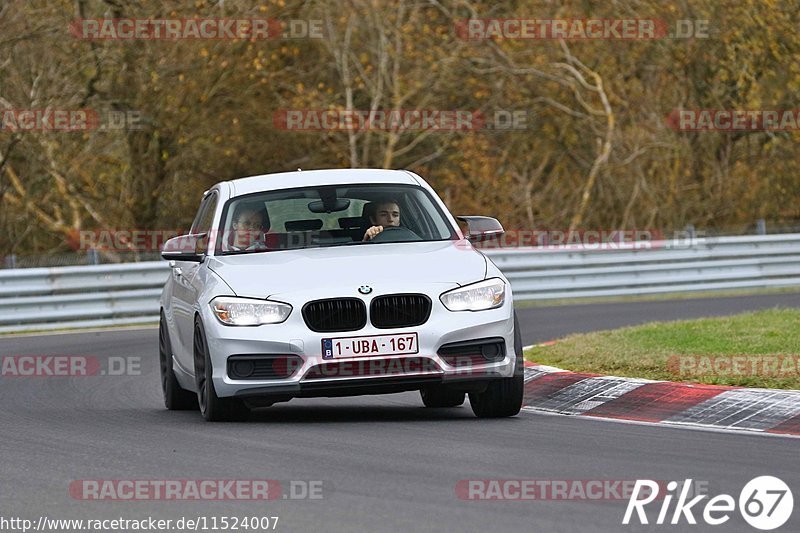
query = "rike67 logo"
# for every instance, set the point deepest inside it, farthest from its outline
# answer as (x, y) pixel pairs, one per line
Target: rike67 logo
(765, 503)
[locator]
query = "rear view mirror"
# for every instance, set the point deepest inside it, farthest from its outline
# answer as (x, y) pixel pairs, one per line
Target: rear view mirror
(339, 204)
(480, 229)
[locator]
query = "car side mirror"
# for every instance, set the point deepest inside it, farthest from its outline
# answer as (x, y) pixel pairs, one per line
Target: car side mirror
(190, 247)
(480, 229)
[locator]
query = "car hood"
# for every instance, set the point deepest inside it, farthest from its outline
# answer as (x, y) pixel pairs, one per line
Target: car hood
(334, 270)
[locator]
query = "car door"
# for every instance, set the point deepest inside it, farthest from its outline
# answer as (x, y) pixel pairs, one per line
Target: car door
(186, 286)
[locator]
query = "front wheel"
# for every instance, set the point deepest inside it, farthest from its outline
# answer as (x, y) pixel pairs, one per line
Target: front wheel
(175, 397)
(500, 399)
(503, 397)
(212, 407)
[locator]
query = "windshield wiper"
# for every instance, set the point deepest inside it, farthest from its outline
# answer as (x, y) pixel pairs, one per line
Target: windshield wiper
(242, 252)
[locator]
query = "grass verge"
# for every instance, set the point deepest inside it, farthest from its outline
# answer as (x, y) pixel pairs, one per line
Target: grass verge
(758, 349)
(687, 295)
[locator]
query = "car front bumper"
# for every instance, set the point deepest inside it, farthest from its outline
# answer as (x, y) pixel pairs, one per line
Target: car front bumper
(393, 373)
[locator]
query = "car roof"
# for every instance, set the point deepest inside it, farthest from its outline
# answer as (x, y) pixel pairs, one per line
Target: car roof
(309, 178)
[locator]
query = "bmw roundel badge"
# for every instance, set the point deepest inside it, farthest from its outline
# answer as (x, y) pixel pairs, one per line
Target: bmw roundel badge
(365, 289)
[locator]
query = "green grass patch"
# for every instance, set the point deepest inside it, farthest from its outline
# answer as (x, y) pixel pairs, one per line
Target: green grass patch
(758, 349)
(687, 295)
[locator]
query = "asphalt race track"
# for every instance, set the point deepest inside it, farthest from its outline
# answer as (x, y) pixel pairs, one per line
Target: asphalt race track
(385, 462)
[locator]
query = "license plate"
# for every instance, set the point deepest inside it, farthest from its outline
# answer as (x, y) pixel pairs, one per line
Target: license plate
(401, 343)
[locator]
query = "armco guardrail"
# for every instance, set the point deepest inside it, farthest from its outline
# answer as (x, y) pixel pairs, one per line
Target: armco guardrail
(747, 262)
(82, 296)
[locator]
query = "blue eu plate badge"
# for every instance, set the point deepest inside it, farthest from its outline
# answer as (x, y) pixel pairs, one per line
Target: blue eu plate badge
(327, 349)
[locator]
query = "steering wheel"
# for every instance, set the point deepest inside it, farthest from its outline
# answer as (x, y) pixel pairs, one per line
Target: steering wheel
(395, 234)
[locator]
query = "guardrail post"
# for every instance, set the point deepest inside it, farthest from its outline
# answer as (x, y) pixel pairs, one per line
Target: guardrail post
(691, 233)
(94, 259)
(11, 261)
(761, 227)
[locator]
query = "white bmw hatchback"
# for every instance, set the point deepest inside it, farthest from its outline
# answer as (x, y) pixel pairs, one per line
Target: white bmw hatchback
(335, 283)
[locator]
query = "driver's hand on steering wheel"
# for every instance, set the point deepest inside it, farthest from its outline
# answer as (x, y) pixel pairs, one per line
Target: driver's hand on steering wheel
(371, 232)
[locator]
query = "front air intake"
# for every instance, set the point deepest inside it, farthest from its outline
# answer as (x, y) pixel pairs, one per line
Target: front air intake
(400, 310)
(335, 314)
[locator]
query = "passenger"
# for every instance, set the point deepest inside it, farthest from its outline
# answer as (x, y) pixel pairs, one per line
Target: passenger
(249, 224)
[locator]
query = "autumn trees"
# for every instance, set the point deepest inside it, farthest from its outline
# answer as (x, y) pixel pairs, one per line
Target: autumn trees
(591, 148)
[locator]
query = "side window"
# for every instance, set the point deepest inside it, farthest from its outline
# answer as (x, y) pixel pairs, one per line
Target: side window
(199, 215)
(205, 215)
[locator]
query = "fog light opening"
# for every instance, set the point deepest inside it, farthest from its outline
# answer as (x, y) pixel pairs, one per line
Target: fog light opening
(244, 369)
(490, 351)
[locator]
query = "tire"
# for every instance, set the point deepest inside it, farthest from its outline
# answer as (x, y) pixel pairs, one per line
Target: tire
(503, 397)
(436, 397)
(176, 398)
(212, 407)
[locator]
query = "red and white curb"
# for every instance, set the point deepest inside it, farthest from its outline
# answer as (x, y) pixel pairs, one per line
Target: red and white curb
(553, 390)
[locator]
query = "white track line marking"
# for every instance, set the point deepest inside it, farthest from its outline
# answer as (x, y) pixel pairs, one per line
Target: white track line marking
(691, 427)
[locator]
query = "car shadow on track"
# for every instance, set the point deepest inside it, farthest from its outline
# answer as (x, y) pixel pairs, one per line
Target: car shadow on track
(336, 414)
(356, 414)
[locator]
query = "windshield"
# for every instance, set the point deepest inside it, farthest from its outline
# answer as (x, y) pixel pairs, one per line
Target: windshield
(331, 216)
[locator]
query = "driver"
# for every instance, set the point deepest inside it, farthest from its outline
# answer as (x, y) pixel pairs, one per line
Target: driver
(384, 214)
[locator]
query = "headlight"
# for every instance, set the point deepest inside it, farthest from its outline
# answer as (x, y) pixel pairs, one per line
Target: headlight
(486, 294)
(247, 312)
